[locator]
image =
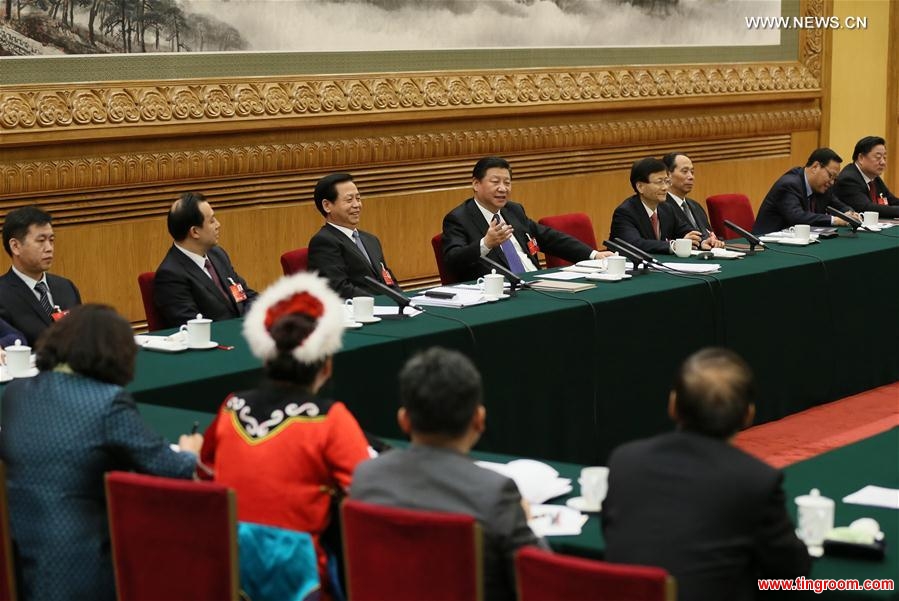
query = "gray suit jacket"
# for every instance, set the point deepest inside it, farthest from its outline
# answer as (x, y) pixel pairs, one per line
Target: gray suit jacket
(429, 478)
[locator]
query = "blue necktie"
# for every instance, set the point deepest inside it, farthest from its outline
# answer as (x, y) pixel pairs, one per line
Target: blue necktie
(512, 258)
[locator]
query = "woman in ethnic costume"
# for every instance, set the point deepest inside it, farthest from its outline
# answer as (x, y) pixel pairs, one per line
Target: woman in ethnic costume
(285, 451)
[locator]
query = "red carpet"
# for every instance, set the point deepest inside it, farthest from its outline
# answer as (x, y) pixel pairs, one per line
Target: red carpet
(823, 428)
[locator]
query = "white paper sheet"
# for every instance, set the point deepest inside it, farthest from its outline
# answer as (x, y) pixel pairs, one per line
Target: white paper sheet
(556, 520)
(694, 267)
(391, 310)
(536, 481)
(874, 496)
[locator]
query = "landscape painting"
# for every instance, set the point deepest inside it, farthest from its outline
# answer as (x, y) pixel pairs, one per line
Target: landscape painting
(84, 27)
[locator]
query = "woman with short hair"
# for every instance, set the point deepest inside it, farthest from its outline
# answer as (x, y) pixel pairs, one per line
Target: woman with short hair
(61, 432)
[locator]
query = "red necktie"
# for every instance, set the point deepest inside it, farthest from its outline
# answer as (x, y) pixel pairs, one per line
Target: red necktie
(872, 190)
(654, 218)
(215, 278)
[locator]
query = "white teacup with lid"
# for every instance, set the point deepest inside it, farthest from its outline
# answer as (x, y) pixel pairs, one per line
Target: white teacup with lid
(199, 331)
(815, 517)
(18, 359)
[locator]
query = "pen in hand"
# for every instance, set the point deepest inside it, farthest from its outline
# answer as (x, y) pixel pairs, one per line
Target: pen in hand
(195, 428)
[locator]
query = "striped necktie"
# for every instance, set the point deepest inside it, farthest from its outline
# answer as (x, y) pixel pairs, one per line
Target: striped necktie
(44, 300)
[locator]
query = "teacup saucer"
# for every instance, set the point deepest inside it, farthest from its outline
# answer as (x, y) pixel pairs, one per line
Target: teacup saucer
(492, 299)
(580, 504)
(5, 376)
(369, 320)
(203, 347)
(351, 325)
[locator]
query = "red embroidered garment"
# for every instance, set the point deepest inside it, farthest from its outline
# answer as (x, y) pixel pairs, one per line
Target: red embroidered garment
(286, 453)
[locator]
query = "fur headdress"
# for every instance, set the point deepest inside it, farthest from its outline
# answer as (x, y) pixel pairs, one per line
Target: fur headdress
(303, 293)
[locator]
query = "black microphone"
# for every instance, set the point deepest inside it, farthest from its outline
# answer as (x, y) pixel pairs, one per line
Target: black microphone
(852, 221)
(398, 298)
(514, 280)
(636, 259)
(752, 238)
(648, 258)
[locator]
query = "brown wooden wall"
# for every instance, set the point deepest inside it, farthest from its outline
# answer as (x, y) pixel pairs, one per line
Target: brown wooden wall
(108, 158)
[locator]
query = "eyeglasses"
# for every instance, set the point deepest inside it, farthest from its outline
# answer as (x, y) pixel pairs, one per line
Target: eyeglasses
(661, 182)
(832, 175)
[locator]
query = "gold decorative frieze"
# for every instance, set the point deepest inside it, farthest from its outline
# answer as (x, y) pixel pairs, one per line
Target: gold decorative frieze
(52, 107)
(150, 168)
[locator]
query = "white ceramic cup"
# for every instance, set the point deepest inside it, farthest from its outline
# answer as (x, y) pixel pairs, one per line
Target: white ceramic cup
(615, 265)
(870, 217)
(682, 247)
(363, 307)
(492, 285)
(815, 517)
(199, 331)
(594, 483)
(801, 231)
(18, 359)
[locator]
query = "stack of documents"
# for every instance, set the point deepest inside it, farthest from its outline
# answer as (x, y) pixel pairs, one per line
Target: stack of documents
(721, 253)
(462, 297)
(694, 267)
(537, 482)
(875, 496)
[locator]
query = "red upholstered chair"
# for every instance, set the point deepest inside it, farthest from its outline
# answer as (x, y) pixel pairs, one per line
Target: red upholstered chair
(733, 207)
(409, 555)
(544, 576)
(145, 281)
(172, 539)
(577, 225)
(7, 573)
(446, 277)
(295, 261)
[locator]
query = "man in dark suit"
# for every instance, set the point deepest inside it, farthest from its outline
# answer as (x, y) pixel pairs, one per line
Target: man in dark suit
(646, 220)
(30, 298)
(490, 225)
(802, 195)
(860, 186)
(441, 410)
(695, 505)
(680, 171)
(196, 275)
(340, 251)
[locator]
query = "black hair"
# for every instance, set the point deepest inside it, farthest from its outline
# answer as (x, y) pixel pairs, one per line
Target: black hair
(440, 390)
(823, 156)
(713, 390)
(481, 167)
(866, 144)
(184, 214)
(288, 332)
(642, 169)
(19, 221)
(94, 341)
(326, 189)
(670, 159)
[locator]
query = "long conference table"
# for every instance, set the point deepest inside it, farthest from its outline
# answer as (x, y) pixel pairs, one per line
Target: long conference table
(570, 376)
(837, 473)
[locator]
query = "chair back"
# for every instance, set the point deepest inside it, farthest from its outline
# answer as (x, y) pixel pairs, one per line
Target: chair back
(577, 225)
(7, 572)
(146, 282)
(409, 555)
(295, 261)
(172, 539)
(544, 576)
(733, 207)
(446, 277)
